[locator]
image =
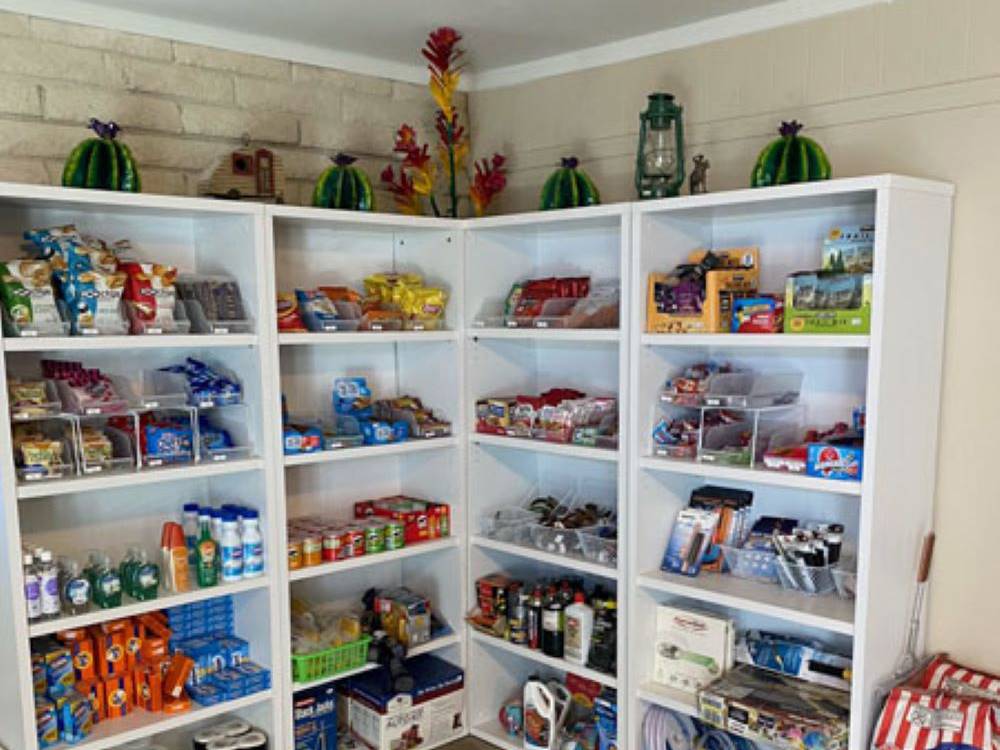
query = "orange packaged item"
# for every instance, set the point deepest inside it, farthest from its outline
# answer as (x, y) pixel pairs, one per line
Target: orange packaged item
(76, 634)
(148, 688)
(153, 649)
(133, 632)
(289, 315)
(118, 696)
(109, 653)
(177, 675)
(155, 626)
(93, 691)
(84, 661)
(340, 294)
(177, 705)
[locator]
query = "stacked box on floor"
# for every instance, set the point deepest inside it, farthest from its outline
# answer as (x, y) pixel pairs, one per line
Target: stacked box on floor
(431, 713)
(315, 716)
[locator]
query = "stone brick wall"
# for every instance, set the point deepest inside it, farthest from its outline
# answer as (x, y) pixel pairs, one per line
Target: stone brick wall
(183, 106)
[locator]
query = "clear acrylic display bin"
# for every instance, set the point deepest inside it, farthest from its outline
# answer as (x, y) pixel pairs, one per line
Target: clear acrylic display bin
(60, 428)
(117, 325)
(752, 564)
(512, 523)
(342, 431)
(178, 323)
(38, 329)
(123, 452)
(51, 407)
(74, 402)
(173, 389)
(152, 457)
(743, 443)
(806, 579)
(741, 390)
(846, 581)
(235, 420)
(197, 296)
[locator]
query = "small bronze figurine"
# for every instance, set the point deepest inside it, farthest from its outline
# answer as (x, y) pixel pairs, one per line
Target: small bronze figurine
(699, 175)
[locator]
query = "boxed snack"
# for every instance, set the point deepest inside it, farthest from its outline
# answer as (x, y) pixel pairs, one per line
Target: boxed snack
(698, 296)
(849, 249)
(764, 314)
(692, 648)
(835, 459)
(774, 708)
(828, 302)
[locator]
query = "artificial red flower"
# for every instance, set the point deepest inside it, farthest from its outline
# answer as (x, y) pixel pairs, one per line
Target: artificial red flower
(403, 192)
(490, 179)
(441, 49)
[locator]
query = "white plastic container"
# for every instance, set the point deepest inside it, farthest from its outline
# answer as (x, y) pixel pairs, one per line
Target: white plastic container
(545, 709)
(231, 548)
(579, 620)
(253, 545)
(32, 589)
(48, 581)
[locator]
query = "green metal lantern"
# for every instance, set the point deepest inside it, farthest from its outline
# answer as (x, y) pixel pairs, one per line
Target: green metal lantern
(659, 161)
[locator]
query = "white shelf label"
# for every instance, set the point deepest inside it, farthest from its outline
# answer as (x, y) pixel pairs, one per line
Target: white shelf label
(220, 456)
(220, 329)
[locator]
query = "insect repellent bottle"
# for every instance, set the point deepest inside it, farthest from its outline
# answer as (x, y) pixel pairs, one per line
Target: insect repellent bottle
(48, 581)
(253, 545)
(579, 627)
(207, 559)
(32, 588)
(231, 549)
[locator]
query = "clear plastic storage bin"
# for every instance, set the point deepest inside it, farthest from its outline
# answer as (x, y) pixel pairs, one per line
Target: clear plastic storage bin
(123, 454)
(805, 579)
(25, 412)
(177, 324)
(846, 581)
(752, 564)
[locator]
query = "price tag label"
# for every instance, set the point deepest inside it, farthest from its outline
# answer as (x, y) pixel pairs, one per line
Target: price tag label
(220, 456)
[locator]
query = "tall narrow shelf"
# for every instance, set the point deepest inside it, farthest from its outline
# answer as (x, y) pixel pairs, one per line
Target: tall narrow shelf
(313, 247)
(73, 514)
(894, 371)
(502, 471)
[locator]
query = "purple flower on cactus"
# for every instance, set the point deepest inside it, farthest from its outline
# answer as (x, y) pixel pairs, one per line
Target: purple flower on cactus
(107, 129)
(790, 128)
(343, 160)
(569, 162)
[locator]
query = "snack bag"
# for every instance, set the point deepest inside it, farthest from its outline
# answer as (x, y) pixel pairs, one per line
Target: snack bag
(96, 301)
(26, 292)
(390, 288)
(316, 308)
(424, 303)
(353, 397)
(289, 315)
(150, 290)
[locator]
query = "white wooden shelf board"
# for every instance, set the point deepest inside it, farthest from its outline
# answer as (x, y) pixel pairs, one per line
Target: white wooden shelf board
(135, 608)
(755, 341)
(365, 561)
(828, 612)
(140, 724)
(667, 697)
(128, 343)
(452, 639)
(577, 335)
(537, 656)
(754, 476)
(366, 337)
(371, 451)
(549, 558)
(137, 478)
(544, 446)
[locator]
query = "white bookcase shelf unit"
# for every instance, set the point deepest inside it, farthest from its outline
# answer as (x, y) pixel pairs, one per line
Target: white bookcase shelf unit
(111, 511)
(894, 371)
(505, 471)
(312, 248)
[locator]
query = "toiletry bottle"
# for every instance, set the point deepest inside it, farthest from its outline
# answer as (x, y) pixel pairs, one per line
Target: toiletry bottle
(48, 580)
(32, 588)
(231, 549)
(108, 585)
(145, 578)
(579, 626)
(208, 574)
(253, 545)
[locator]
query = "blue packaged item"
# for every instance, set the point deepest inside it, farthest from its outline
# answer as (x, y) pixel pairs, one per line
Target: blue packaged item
(46, 723)
(60, 676)
(689, 540)
(229, 680)
(234, 650)
(352, 397)
(213, 438)
(206, 694)
(207, 386)
(255, 676)
(314, 713)
(606, 713)
(75, 717)
(834, 461)
(318, 311)
(168, 441)
(377, 433)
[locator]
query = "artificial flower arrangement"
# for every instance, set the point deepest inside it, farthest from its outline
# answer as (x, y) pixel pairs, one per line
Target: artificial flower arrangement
(415, 180)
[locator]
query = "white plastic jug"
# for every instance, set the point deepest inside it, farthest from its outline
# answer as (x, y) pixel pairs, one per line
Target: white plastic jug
(545, 708)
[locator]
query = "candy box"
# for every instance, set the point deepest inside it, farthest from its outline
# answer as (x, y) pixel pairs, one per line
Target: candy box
(828, 303)
(234, 650)
(833, 461)
(764, 314)
(206, 694)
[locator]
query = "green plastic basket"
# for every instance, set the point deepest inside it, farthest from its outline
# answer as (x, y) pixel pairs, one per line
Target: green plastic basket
(332, 661)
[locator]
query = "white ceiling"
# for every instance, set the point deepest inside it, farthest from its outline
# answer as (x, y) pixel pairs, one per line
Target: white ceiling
(507, 40)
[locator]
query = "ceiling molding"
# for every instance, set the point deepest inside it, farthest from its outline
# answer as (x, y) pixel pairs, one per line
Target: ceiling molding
(781, 13)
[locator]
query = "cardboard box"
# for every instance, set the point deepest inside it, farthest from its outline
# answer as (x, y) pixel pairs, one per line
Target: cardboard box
(802, 290)
(692, 648)
(739, 276)
(432, 713)
(314, 713)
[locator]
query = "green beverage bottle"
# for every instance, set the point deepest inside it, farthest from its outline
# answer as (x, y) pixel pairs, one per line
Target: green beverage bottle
(207, 553)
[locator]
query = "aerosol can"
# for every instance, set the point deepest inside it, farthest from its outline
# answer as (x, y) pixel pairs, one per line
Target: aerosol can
(546, 705)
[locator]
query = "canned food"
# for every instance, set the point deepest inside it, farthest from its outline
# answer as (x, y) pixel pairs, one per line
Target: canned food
(395, 535)
(352, 542)
(374, 537)
(312, 550)
(294, 553)
(331, 546)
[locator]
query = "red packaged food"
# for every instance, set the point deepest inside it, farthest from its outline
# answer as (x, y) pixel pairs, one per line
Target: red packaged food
(289, 315)
(954, 679)
(915, 719)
